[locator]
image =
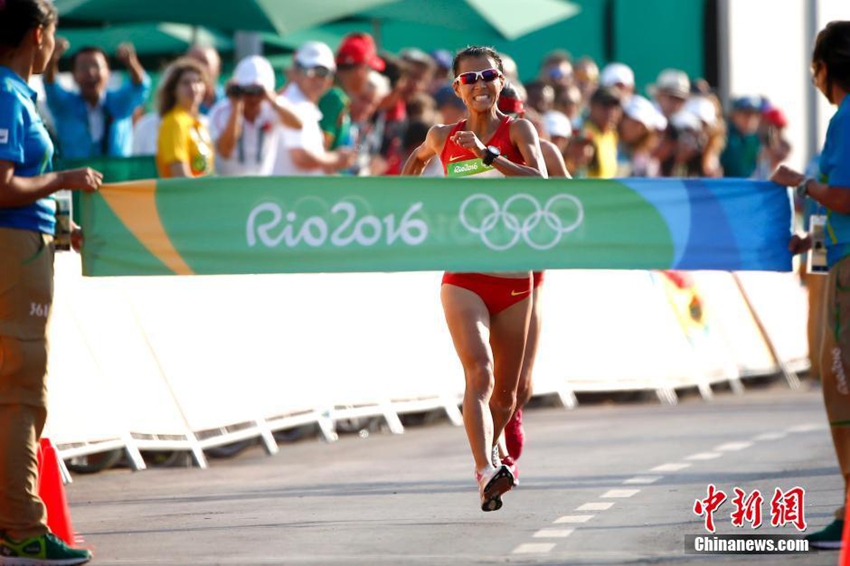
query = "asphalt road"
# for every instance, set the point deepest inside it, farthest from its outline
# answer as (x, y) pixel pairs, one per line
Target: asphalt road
(607, 483)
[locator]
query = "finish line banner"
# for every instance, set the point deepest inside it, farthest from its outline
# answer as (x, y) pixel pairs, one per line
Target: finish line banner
(226, 225)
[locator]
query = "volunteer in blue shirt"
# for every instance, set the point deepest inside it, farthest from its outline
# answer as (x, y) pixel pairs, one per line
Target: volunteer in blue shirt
(831, 76)
(95, 121)
(26, 280)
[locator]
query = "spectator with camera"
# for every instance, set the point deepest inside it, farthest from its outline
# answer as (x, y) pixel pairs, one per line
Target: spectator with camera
(302, 152)
(244, 126)
(96, 121)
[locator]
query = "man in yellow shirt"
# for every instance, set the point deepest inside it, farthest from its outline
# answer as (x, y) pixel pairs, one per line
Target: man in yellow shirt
(601, 125)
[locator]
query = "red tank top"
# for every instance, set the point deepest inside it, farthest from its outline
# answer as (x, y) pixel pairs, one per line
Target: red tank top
(461, 162)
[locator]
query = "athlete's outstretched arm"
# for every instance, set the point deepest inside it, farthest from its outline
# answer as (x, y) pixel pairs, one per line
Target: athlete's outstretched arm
(431, 147)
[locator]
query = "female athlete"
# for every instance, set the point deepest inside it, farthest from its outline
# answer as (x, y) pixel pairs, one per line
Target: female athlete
(488, 314)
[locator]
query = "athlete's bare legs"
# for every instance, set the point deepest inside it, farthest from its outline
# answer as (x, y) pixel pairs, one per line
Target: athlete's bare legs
(512, 441)
(491, 352)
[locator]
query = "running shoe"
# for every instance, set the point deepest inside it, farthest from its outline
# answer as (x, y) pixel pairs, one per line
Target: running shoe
(491, 487)
(512, 466)
(829, 537)
(46, 550)
(515, 435)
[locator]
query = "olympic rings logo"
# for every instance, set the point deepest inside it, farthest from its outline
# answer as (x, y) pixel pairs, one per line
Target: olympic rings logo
(522, 229)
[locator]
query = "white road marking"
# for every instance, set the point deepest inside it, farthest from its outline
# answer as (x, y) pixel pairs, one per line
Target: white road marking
(620, 493)
(534, 548)
(733, 446)
(704, 456)
(771, 436)
(810, 427)
(596, 506)
(670, 467)
(573, 519)
(642, 480)
(554, 533)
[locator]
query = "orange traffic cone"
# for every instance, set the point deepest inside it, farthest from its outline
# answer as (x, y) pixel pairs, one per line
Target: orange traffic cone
(52, 493)
(844, 557)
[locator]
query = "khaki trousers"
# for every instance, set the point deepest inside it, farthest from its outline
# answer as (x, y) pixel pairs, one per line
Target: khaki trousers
(816, 285)
(26, 297)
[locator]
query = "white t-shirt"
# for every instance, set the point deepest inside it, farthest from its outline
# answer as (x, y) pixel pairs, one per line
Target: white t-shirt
(309, 137)
(146, 134)
(97, 119)
(255, 151)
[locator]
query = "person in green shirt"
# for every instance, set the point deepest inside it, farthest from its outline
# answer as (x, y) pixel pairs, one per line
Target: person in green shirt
(335, 107)
(740, 157)
(356, 56)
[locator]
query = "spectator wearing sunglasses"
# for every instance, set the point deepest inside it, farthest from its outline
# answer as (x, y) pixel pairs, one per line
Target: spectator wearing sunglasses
(557, 69)
(302, 152)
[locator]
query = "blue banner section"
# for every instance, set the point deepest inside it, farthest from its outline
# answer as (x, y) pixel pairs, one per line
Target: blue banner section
(723, 224)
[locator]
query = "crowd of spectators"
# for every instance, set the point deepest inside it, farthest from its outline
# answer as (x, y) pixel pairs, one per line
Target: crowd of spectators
(358, 112)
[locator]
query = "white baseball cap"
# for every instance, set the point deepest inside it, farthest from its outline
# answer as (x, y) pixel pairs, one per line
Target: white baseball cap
(557, 124)
(642, 110)
(686, 120)
(703, 109)
(254, 70)
(315, 54)
(617, 73)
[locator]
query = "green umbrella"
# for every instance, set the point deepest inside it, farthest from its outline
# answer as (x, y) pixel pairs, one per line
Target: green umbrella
(510, 18)
(480, 21)
(280, 16)
(330, 34)
(148, 39)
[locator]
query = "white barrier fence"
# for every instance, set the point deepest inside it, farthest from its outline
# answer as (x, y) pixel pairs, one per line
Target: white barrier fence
(197, 362)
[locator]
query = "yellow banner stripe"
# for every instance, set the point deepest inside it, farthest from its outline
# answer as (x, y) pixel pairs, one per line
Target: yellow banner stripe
(134, 203)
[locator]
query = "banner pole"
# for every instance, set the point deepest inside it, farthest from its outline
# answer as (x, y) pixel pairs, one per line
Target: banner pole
(790, 376)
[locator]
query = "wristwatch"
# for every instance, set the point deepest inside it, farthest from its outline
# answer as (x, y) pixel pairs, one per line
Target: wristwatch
(490, 155)
(802, 188)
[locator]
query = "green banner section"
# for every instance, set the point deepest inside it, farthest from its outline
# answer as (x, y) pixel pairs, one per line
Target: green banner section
(114, 169)
(282, 225)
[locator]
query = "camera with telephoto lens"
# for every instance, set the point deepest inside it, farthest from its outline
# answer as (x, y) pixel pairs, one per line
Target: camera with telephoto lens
(239, 90)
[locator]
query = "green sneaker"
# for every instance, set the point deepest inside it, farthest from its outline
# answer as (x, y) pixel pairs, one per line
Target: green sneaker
(46, 550)
(829, 537)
